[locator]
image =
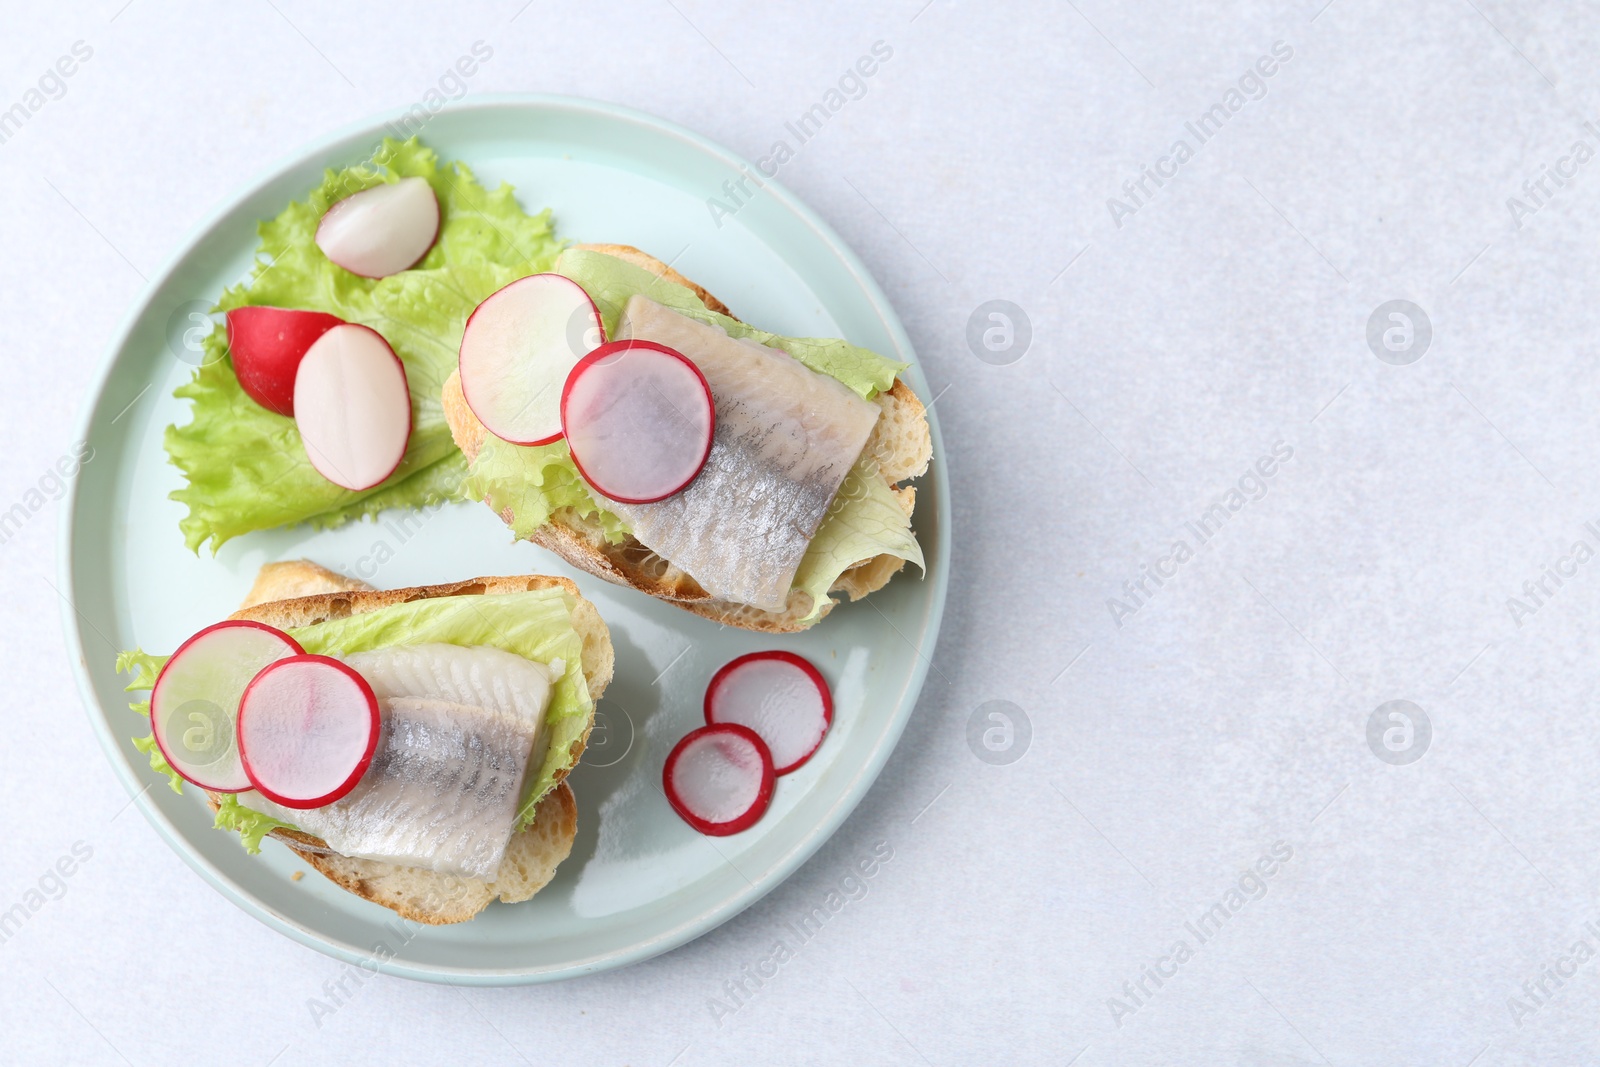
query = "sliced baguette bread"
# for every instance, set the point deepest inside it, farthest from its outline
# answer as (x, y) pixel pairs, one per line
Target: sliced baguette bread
(901, 444)
(301, 593)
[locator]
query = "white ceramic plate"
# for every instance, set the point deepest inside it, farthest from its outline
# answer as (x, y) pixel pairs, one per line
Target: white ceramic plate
(639, 881)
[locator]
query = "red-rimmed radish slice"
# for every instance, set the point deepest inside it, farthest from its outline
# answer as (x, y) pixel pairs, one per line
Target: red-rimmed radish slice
(517, 350)
(353, 407)
(383, 230)
(780, 696)
(719, 778)
(308, 726)
(266, 345)
(194, 706)
(638, 418)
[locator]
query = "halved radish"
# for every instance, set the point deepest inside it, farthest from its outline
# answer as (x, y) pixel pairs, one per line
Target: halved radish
(517, 350)
(382, 230)
(267, 344)
(195, 702)
(780, 696)
(308, 726)
(719, 778)
(639, 419)
(353, 407)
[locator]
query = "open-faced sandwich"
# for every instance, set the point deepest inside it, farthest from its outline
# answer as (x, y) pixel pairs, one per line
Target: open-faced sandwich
(617, 414)
(412, 745)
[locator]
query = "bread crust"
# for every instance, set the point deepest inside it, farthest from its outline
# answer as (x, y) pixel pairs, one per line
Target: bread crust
(299, 593)
(901, 444)
(292, 578)
(440, 899)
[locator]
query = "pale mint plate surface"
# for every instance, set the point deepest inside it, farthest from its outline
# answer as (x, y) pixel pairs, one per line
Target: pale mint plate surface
(639, 881)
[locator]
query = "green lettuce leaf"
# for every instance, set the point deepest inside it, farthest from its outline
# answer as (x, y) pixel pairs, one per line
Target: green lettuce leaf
(864, 521)
(144, 669)
(536, 625)
(244, 466)
(438, 483)
(158, 762)
(534, 481)
(251, 826)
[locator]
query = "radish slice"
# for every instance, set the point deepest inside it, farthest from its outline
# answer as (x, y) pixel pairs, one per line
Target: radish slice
(267, 344)
(780, 696)
(638, 418)
(719, 778)
(517, 350)
(308, 726)
(383, 230)
(195, 702)
(353, 407)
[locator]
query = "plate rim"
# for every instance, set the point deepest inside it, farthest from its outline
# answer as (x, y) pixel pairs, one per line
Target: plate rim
(805, 846)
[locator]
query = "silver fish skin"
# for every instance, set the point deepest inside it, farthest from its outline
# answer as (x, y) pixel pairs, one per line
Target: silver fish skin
(785, 438)
(460, 730)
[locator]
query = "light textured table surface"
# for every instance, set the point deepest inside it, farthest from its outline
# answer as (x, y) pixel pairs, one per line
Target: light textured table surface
(1432, 878)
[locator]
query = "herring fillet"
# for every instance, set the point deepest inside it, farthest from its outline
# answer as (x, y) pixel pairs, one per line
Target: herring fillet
(441, 793)
(460, 729)
(784, 440)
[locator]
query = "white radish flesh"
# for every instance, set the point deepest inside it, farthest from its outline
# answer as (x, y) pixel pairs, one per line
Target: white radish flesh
(382, 230)
(719, 779)
(353, 407)
(194, 705)
(639, 419)
(308, 726)
(780, 696)
(517, 350)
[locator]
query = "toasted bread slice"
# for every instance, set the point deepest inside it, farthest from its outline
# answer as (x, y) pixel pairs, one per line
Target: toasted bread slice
(901, 444)
(301, 593)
